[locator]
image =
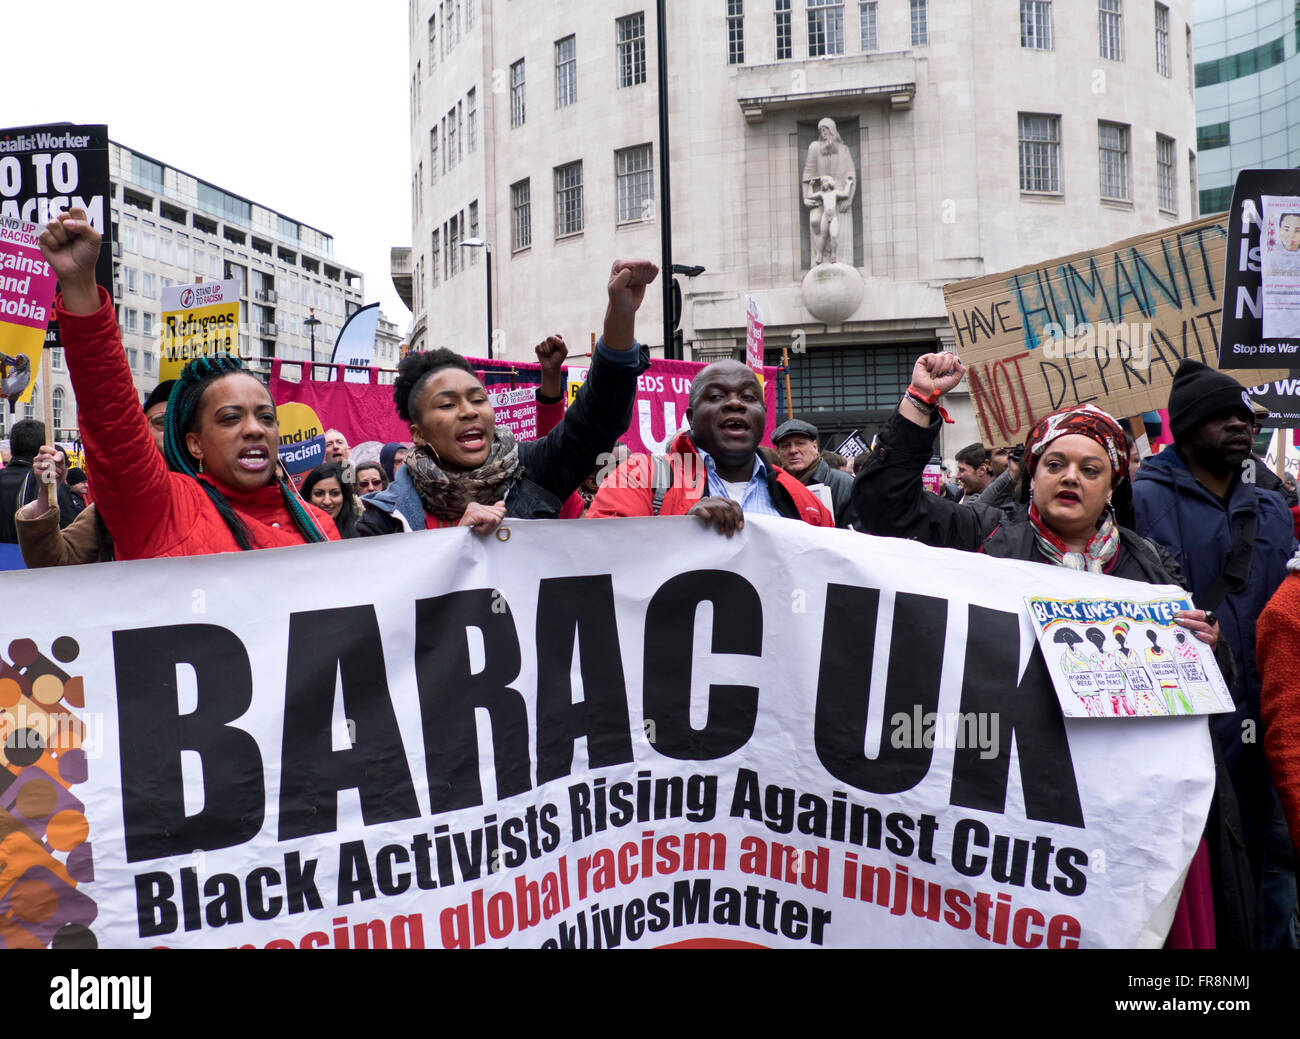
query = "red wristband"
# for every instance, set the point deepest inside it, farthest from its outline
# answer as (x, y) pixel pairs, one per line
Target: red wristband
(931, 401)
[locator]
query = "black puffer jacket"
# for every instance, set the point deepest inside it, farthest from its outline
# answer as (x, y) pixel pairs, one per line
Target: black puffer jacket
(890, 501)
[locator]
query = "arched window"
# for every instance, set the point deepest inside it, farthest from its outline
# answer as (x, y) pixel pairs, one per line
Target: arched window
(58, 412)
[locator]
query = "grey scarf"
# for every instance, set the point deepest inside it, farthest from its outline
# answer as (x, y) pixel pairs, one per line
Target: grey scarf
(447, 495)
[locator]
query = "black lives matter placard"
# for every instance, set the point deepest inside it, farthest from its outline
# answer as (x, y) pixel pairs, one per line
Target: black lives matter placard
(45, 169)
(562, 740)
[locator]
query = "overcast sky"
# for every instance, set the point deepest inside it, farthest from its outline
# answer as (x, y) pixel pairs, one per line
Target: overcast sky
(298, 106)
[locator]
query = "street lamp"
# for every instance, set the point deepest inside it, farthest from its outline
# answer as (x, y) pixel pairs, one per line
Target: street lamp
(486, 246)
(311, 323)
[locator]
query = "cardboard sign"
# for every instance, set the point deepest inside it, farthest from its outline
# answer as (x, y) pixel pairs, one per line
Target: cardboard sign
(197, 321)
(1107, 327)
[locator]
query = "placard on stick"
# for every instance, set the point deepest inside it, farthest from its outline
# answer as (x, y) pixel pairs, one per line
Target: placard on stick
(1107, 326)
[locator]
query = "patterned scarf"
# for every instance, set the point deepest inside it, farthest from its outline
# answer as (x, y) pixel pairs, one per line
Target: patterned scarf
(1096, 558)
(447, 495)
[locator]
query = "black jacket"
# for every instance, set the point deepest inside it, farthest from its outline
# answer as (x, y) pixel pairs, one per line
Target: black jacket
(553, 467)
(19, 485)
(891, 501)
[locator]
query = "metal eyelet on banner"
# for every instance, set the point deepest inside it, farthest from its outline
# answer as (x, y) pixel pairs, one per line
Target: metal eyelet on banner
(503, 534)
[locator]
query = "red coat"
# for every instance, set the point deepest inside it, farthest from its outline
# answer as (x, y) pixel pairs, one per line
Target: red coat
(630, 490)
(1277, 651)
(150, 510)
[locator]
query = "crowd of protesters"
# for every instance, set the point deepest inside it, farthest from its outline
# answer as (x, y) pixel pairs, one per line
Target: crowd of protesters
(194, 471)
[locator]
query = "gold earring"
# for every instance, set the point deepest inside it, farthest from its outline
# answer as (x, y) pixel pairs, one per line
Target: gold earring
(200, 466)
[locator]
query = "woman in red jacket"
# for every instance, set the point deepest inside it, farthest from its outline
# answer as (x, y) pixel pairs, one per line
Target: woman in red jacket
(221, 440)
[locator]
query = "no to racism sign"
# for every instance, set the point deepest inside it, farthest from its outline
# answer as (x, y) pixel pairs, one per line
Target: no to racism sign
(829, 759)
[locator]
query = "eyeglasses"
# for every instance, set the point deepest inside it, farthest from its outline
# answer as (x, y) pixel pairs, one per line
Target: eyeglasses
(372, 484)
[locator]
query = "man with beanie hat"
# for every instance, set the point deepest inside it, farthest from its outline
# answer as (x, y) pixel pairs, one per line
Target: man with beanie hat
(1198, 498)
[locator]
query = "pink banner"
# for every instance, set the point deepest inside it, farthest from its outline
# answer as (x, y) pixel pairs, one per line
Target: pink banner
(364, 412)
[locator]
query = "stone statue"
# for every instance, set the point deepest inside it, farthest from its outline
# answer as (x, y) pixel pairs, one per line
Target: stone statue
(829, 185)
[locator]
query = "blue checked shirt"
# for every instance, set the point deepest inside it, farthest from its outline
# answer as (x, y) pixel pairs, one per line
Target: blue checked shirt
(757, 500)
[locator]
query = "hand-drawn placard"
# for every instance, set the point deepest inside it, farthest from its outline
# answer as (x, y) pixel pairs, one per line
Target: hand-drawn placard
(1108, 326)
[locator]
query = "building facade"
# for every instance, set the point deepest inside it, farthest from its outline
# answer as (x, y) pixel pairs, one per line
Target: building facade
(171, 228)
(980, 136)
(1247, 91)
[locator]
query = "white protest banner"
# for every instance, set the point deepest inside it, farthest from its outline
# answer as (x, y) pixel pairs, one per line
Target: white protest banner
(242, 750)
(1126, 658)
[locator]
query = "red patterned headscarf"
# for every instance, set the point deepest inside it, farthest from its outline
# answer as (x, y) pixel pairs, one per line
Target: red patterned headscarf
(1081, 420)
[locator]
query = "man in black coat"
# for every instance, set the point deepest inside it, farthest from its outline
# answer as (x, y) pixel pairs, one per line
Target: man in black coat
(797, 444)
(19, 483)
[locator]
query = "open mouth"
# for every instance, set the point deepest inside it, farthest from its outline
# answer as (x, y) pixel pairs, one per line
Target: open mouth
(254, 459)
(1068, 497)
(472, 440)
(734, 427)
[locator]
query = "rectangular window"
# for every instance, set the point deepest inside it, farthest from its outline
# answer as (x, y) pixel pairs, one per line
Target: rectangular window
(469, 15)
(131, 316)
(1036, 24)
(636, 192)
(433, 42)
(867, 19)
(1165, 173)
(147, 283)
(568, 199)
(521, 214)
(56, 359)
(460, 127)
(147, 326)
(920, 24)
(825, 28)
(130, 239)
(442, 126)
(433, 156)
(1040, 152)
(517, 93)
(1112, 157)
(473, 230)
(131, 279)
(566, 71)
(148, 246)
(1110, 28)
(1162, 40)
(1215, 135)
(471, 127)
(1191, 184)
(453, 243)
(453, 150)
(631, 49)
(784, 31)
(735, 32)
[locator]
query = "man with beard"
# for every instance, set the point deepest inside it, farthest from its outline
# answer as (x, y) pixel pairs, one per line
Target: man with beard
(1232, 540)
(713, 471)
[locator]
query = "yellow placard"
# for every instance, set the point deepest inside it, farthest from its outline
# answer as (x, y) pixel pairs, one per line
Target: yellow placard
(201, 332)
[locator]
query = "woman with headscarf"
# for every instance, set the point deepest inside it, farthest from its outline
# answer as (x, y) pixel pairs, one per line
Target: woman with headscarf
(1076, 489)
(217, 490)
(465, 471)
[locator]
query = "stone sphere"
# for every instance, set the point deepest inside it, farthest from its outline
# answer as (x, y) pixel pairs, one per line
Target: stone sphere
(832, 292)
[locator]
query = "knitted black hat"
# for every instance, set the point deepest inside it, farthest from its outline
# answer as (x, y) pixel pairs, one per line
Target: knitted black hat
(1199, 393)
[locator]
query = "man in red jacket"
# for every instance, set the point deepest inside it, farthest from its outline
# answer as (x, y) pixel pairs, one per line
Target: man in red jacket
(716, 471)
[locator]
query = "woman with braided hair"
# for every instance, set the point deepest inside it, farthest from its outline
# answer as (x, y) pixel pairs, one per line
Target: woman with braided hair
(217, 490)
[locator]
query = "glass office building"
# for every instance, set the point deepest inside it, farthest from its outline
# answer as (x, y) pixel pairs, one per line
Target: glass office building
(1247, 76)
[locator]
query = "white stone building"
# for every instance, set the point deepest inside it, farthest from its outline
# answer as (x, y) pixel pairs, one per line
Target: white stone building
(170, 228)
(986, 134)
